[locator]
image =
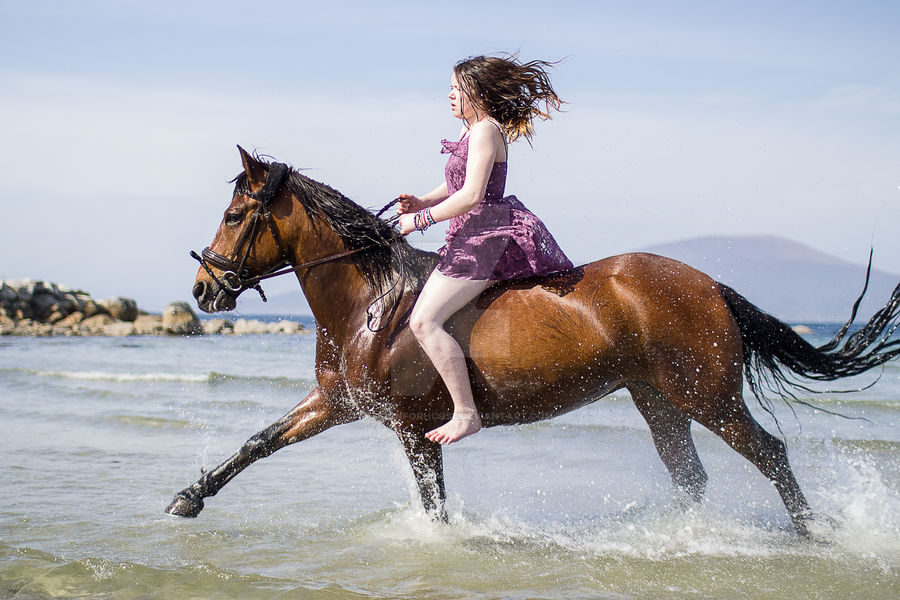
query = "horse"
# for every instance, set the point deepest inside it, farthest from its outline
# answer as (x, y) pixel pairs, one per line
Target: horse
(679, 342)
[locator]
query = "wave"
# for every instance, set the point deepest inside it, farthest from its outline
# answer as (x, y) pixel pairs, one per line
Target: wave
(33, 574)
(124, 377)
(216, 378)
(212, 378)
(868, 447)
(835, 403)
(144, 421)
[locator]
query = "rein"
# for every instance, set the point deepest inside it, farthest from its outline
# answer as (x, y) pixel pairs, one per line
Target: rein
(212, 258)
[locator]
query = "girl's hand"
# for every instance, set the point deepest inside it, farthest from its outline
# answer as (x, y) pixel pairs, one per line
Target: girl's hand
(408, 204)
(407, 223)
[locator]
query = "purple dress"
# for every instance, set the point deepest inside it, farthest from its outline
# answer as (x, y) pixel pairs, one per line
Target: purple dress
(499, 238)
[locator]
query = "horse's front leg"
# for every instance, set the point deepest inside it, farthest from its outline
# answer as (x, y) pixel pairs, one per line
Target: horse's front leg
(313, 415)
(427, 462)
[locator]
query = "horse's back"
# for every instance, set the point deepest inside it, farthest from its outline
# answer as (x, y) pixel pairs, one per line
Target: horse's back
(585, 332)
(637, 285)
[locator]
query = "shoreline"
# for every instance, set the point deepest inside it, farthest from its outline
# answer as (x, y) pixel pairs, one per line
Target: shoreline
(36, 308)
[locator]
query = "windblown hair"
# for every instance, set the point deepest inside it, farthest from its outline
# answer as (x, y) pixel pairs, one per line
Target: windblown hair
(511, 92)
(387, 251)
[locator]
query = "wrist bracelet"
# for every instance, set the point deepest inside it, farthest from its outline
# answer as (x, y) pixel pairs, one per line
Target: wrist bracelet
(420, 221)
(428, 218)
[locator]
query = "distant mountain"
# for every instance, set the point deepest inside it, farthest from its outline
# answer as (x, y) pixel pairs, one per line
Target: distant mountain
(792, 281)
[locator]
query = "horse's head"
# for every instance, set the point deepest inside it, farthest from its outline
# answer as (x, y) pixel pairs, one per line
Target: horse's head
(248, 243)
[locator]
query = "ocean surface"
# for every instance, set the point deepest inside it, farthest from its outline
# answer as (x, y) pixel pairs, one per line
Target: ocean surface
(98, 434)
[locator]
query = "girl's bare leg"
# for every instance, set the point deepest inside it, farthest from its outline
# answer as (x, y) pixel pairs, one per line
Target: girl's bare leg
(441, 297)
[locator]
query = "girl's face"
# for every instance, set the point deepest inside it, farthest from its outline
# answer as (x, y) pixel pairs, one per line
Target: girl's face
(460, 105)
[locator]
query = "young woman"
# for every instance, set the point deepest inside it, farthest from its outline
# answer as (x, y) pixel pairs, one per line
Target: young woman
(491, 237)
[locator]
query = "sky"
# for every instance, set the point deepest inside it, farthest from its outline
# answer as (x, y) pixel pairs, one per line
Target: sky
(120, 120)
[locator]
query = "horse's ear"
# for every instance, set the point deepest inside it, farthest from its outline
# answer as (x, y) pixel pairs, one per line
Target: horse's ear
(252, 167)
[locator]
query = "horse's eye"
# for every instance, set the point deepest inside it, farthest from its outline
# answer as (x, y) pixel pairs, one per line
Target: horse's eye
(233, 218)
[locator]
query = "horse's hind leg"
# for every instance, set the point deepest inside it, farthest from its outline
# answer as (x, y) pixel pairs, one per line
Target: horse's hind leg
(313, 415)
(671, 430)
(740, 430)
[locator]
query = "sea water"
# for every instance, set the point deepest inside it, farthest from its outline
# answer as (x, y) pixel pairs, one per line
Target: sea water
(99, 433)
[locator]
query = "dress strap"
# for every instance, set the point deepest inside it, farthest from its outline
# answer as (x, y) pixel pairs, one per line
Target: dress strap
(465, 137)
(502, 135)
(498, 126)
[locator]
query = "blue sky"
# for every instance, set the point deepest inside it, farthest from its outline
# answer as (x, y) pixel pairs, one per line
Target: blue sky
(683, 119)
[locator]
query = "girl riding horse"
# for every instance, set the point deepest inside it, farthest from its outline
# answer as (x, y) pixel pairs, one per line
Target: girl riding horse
(491, 237)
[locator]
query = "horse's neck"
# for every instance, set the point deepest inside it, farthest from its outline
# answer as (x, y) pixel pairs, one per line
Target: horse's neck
(335, 291)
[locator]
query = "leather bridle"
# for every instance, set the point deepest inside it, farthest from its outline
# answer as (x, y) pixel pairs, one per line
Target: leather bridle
(236, 277)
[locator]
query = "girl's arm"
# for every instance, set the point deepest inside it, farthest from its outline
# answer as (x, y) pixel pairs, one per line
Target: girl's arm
(484, 144)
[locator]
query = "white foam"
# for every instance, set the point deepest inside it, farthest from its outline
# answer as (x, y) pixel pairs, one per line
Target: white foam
(126, 377)
(865, 507)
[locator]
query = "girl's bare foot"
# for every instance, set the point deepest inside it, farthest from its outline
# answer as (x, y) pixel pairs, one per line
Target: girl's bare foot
(458, 427)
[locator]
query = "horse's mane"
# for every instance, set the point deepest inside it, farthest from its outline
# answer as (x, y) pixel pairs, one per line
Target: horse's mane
(389, 252)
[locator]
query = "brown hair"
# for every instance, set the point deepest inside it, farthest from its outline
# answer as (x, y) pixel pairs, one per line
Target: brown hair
(510, 92)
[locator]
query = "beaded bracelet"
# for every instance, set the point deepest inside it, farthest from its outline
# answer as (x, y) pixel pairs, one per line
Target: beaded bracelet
(423, 219)
(420, 222)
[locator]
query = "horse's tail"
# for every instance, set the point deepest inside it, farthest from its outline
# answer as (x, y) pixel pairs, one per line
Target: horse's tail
(773, 351)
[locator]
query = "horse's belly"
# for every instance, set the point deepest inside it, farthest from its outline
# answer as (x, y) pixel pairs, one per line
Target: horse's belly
(523, 378)
(529, 401)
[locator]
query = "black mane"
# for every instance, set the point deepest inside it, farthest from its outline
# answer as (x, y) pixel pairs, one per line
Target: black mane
(357, 227)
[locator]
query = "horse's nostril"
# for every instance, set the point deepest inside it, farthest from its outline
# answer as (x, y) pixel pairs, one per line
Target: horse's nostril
(199, 289)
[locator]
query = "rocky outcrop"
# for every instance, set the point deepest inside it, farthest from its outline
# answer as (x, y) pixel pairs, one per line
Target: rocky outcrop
(149, 325)
(95, 325)
(121, 309)
(218, 326)
(178, 318)
(243, 326)
(40, 308)
(42, 302)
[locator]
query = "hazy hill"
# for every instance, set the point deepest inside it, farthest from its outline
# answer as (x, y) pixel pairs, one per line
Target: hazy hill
(790, 280)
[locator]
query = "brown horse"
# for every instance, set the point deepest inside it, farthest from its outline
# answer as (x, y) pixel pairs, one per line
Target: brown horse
(674, 338)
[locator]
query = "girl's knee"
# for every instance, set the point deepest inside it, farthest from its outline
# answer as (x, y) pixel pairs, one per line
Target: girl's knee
(421, 326)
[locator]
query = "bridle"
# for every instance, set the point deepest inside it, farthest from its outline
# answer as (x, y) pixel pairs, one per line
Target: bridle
(236, 277)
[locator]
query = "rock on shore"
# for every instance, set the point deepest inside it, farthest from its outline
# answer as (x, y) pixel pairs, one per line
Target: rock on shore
(39, 308)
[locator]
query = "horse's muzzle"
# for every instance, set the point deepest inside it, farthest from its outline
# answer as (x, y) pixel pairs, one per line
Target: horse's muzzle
(212, 297)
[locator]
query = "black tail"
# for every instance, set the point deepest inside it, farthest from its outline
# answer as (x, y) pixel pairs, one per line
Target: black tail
(773, 351)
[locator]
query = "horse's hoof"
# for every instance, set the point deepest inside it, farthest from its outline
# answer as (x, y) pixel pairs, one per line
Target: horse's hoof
(438, 515)
(818, 528)
(185, 504)
(815, 527)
